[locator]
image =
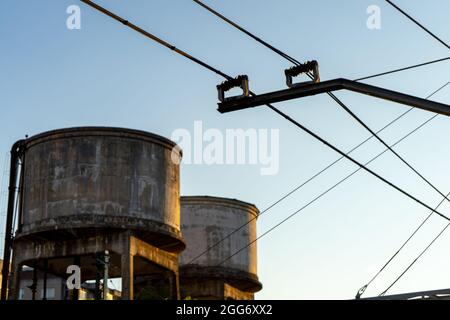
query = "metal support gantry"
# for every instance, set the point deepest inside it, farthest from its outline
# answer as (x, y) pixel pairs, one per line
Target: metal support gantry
(315, 87)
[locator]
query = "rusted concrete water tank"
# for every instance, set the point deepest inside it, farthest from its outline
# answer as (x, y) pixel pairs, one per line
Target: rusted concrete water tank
(81, 181)
(205, 221)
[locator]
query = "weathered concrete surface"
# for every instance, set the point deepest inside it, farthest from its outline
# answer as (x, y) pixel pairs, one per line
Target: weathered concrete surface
(130, 256)
(205, 221)
(89, 178)
(213, 289)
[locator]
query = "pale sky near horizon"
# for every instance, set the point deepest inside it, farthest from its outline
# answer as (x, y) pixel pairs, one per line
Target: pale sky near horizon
(108, 75)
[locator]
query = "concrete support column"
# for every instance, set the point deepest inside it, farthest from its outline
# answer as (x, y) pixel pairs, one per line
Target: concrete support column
(76, 292)
(127, 271)
(44, 289)
(34, 284)
(14, 281)
(174, 281)
(123, 243)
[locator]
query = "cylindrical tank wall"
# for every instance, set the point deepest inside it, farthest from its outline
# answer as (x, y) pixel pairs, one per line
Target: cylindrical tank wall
(96, 177)
(207, 220)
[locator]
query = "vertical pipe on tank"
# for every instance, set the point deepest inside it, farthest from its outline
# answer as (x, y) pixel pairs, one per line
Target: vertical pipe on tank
(105, 275)
(44, 290)
(16, 153)
(21, 191)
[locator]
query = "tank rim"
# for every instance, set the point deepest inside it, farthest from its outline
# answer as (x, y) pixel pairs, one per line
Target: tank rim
(73, 132)
(220, 201)
(243, 280)
(145, 227)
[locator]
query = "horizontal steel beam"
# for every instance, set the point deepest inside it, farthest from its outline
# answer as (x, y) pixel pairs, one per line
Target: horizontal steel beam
(412, 295)
(311, 89)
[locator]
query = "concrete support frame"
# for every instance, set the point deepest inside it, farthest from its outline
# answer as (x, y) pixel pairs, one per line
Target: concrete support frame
(213, 289)
(123, 243)
(127, 261)
(14, 279)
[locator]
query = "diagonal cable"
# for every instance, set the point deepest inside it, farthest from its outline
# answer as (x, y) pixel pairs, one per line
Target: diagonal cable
(402, 69)
(415, 260)
(296, 123)
(314, 176)
(420, 25)
(332, 95)
(364, 288)
(328, 190)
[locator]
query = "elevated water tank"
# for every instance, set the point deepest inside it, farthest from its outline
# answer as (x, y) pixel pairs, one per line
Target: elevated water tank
(205, 223)
(81, 181)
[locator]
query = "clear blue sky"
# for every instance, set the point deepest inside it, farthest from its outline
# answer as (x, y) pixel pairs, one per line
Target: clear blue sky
(105, 74)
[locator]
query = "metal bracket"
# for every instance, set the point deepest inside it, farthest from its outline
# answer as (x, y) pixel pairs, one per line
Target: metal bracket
(238, 82)
(330, 86)
(310, 66)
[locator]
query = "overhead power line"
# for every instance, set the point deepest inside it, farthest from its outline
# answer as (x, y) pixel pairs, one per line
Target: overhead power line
(334, 97)
(329, 189)
(287, 57)
(251, 35)
(442, 231)
(418, 23)
(352, 114)
(295, 61)
(415, 260)
(220, 73)
(154, 38)
(270, 106)
(314, 176)
(328, 144)
(338, 101)
(363, 289)
(403, 69)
